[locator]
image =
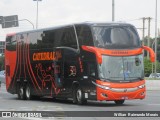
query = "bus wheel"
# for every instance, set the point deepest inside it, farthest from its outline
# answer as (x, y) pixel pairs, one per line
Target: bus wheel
(80, 96)
(74, 96)
(28, 92)
(119, 102)
(21, 94)
(54, 98)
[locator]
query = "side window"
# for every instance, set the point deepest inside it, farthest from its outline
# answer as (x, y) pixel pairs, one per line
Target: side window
(11, 43)
(92, 69)
(68, 38)
(35, 40)
(89, 69)
(48, 38)
(45, 39)
(84, 35)
(33, 37)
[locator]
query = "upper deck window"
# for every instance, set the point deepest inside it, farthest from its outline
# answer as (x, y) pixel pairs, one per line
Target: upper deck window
(11, 43)
(64, 36)
(115, 37)
(84, 35)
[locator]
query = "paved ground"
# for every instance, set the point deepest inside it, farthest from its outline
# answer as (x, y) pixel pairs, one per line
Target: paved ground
(9, 102)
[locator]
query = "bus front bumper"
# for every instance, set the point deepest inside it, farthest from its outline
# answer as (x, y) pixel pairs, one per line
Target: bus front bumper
(110, 95)
(126, 91)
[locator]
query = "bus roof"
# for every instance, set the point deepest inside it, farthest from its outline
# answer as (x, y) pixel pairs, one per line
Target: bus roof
(82, 23)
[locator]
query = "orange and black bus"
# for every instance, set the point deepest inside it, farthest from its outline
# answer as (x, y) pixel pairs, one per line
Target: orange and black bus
(85, 61)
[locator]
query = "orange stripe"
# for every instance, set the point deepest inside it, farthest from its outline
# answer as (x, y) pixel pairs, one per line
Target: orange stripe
(28, 57)
(17, 62)
(27, 63)
(100, 51)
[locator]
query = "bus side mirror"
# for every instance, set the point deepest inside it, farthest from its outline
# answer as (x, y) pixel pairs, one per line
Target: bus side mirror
(151, 52)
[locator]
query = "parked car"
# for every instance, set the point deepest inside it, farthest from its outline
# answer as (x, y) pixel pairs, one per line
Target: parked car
(154, 75)
(2, 76)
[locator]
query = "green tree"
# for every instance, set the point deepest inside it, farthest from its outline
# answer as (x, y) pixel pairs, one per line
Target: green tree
(2, 66)
(148, 67)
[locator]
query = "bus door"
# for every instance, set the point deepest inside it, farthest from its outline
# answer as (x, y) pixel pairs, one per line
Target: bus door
(58, 69)
(69, 68)
(89, 76)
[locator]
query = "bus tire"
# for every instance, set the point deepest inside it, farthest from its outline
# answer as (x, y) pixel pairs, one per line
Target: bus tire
(74, 96)
(80, 97)
(119, 102)
(21, 94)
(27, 92)
(54, 98)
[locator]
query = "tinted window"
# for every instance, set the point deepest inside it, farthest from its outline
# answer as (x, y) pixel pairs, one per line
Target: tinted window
(59, 37)
(92, 69)
(115, 37)
(84, 35)
(68, 38)
(11, 43)
(35, 39)
(48, 38)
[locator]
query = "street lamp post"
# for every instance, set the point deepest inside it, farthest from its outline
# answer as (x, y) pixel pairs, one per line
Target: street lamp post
(113, 11)
(155, 38)
(152, 62)
(37, 14)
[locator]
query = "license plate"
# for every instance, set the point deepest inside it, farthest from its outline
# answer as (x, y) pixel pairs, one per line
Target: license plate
(124, 98)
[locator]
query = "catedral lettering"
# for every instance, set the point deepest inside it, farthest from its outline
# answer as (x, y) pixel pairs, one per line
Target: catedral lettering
(46, 56)
(85, 61)
(43, 56)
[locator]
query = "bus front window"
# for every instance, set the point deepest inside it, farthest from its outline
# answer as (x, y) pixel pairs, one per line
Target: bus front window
(115, 37)
(121, 69)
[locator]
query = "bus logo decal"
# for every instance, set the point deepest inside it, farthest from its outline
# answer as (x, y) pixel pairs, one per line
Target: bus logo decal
(41, 56)
(73, 71)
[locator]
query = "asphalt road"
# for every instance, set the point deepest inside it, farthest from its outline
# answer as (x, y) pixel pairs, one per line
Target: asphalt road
(9, 102)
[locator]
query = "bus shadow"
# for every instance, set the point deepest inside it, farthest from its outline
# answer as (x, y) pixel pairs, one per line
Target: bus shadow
(90, 103)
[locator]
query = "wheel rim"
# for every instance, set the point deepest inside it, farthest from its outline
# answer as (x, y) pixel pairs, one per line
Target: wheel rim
(79, 95)
(27, 92)
(21, 92)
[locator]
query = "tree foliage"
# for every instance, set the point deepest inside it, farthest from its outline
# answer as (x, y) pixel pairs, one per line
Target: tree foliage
(2, 63)
(147, 64)
(148, 67)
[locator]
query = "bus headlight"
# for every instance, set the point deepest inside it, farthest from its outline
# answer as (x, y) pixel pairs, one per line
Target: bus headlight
(101, 86)
(141, 86)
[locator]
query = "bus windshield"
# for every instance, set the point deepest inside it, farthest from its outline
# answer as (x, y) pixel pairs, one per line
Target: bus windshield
(121, 69)
(115, 37)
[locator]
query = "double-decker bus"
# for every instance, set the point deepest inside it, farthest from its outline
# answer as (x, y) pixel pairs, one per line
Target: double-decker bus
(85, 61)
